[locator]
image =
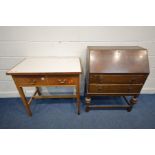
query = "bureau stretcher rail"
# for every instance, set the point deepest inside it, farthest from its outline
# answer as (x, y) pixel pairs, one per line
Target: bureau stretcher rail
(128, 106)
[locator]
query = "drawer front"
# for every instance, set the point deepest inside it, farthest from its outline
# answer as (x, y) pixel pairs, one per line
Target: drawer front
(117, 79)
(38, 80)
(62, 80)
(31, 80)
(114, 88)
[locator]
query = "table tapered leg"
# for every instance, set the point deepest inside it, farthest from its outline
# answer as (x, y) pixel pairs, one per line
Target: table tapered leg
(78, 96)
(25, 102)
(38, 90)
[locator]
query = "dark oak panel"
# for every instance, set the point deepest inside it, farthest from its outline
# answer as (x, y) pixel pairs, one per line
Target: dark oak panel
(116, 71)
(117, 79)
(103, 88)
(119, 61)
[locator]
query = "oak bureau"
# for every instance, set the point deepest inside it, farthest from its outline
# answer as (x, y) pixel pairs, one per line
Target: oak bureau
(115, 71)
(54, 71)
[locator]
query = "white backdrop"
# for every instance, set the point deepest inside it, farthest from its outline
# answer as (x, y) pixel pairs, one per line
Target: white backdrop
(17, 43)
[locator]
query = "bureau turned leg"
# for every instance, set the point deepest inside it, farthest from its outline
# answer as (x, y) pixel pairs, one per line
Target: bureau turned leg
(25, 102)
(88, 101)
(133, 101)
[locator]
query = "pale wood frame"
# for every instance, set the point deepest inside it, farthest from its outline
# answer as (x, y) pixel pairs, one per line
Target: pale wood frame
(27, 103)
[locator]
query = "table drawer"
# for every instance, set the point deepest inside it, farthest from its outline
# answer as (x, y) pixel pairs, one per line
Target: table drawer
(38, 80)
(103, 88)
(117, 79)
(28, 80)
(62, 80)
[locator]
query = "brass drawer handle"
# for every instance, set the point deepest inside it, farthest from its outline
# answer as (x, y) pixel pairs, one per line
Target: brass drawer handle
(99, 88)
(100, 79)
(33, 82)
(42, 78)
(132, 80)
(129, 89)
(93, 77)
(61, 81)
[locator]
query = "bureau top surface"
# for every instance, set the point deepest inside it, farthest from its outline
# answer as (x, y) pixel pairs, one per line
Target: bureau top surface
(116, 48)
(118, 60)
(47, 65)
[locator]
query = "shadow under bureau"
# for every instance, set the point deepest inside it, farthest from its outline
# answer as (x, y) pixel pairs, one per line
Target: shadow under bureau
(115, 71)
(47, 72)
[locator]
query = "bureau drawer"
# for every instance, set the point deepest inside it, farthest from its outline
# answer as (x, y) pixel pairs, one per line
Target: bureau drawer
(62, 80)
(28, 80)
(96, 88)
(117, 79)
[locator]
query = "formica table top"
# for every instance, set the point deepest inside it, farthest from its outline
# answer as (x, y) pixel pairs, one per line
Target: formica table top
(47, 65)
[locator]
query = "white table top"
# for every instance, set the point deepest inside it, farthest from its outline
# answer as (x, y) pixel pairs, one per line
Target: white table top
(48, 65)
